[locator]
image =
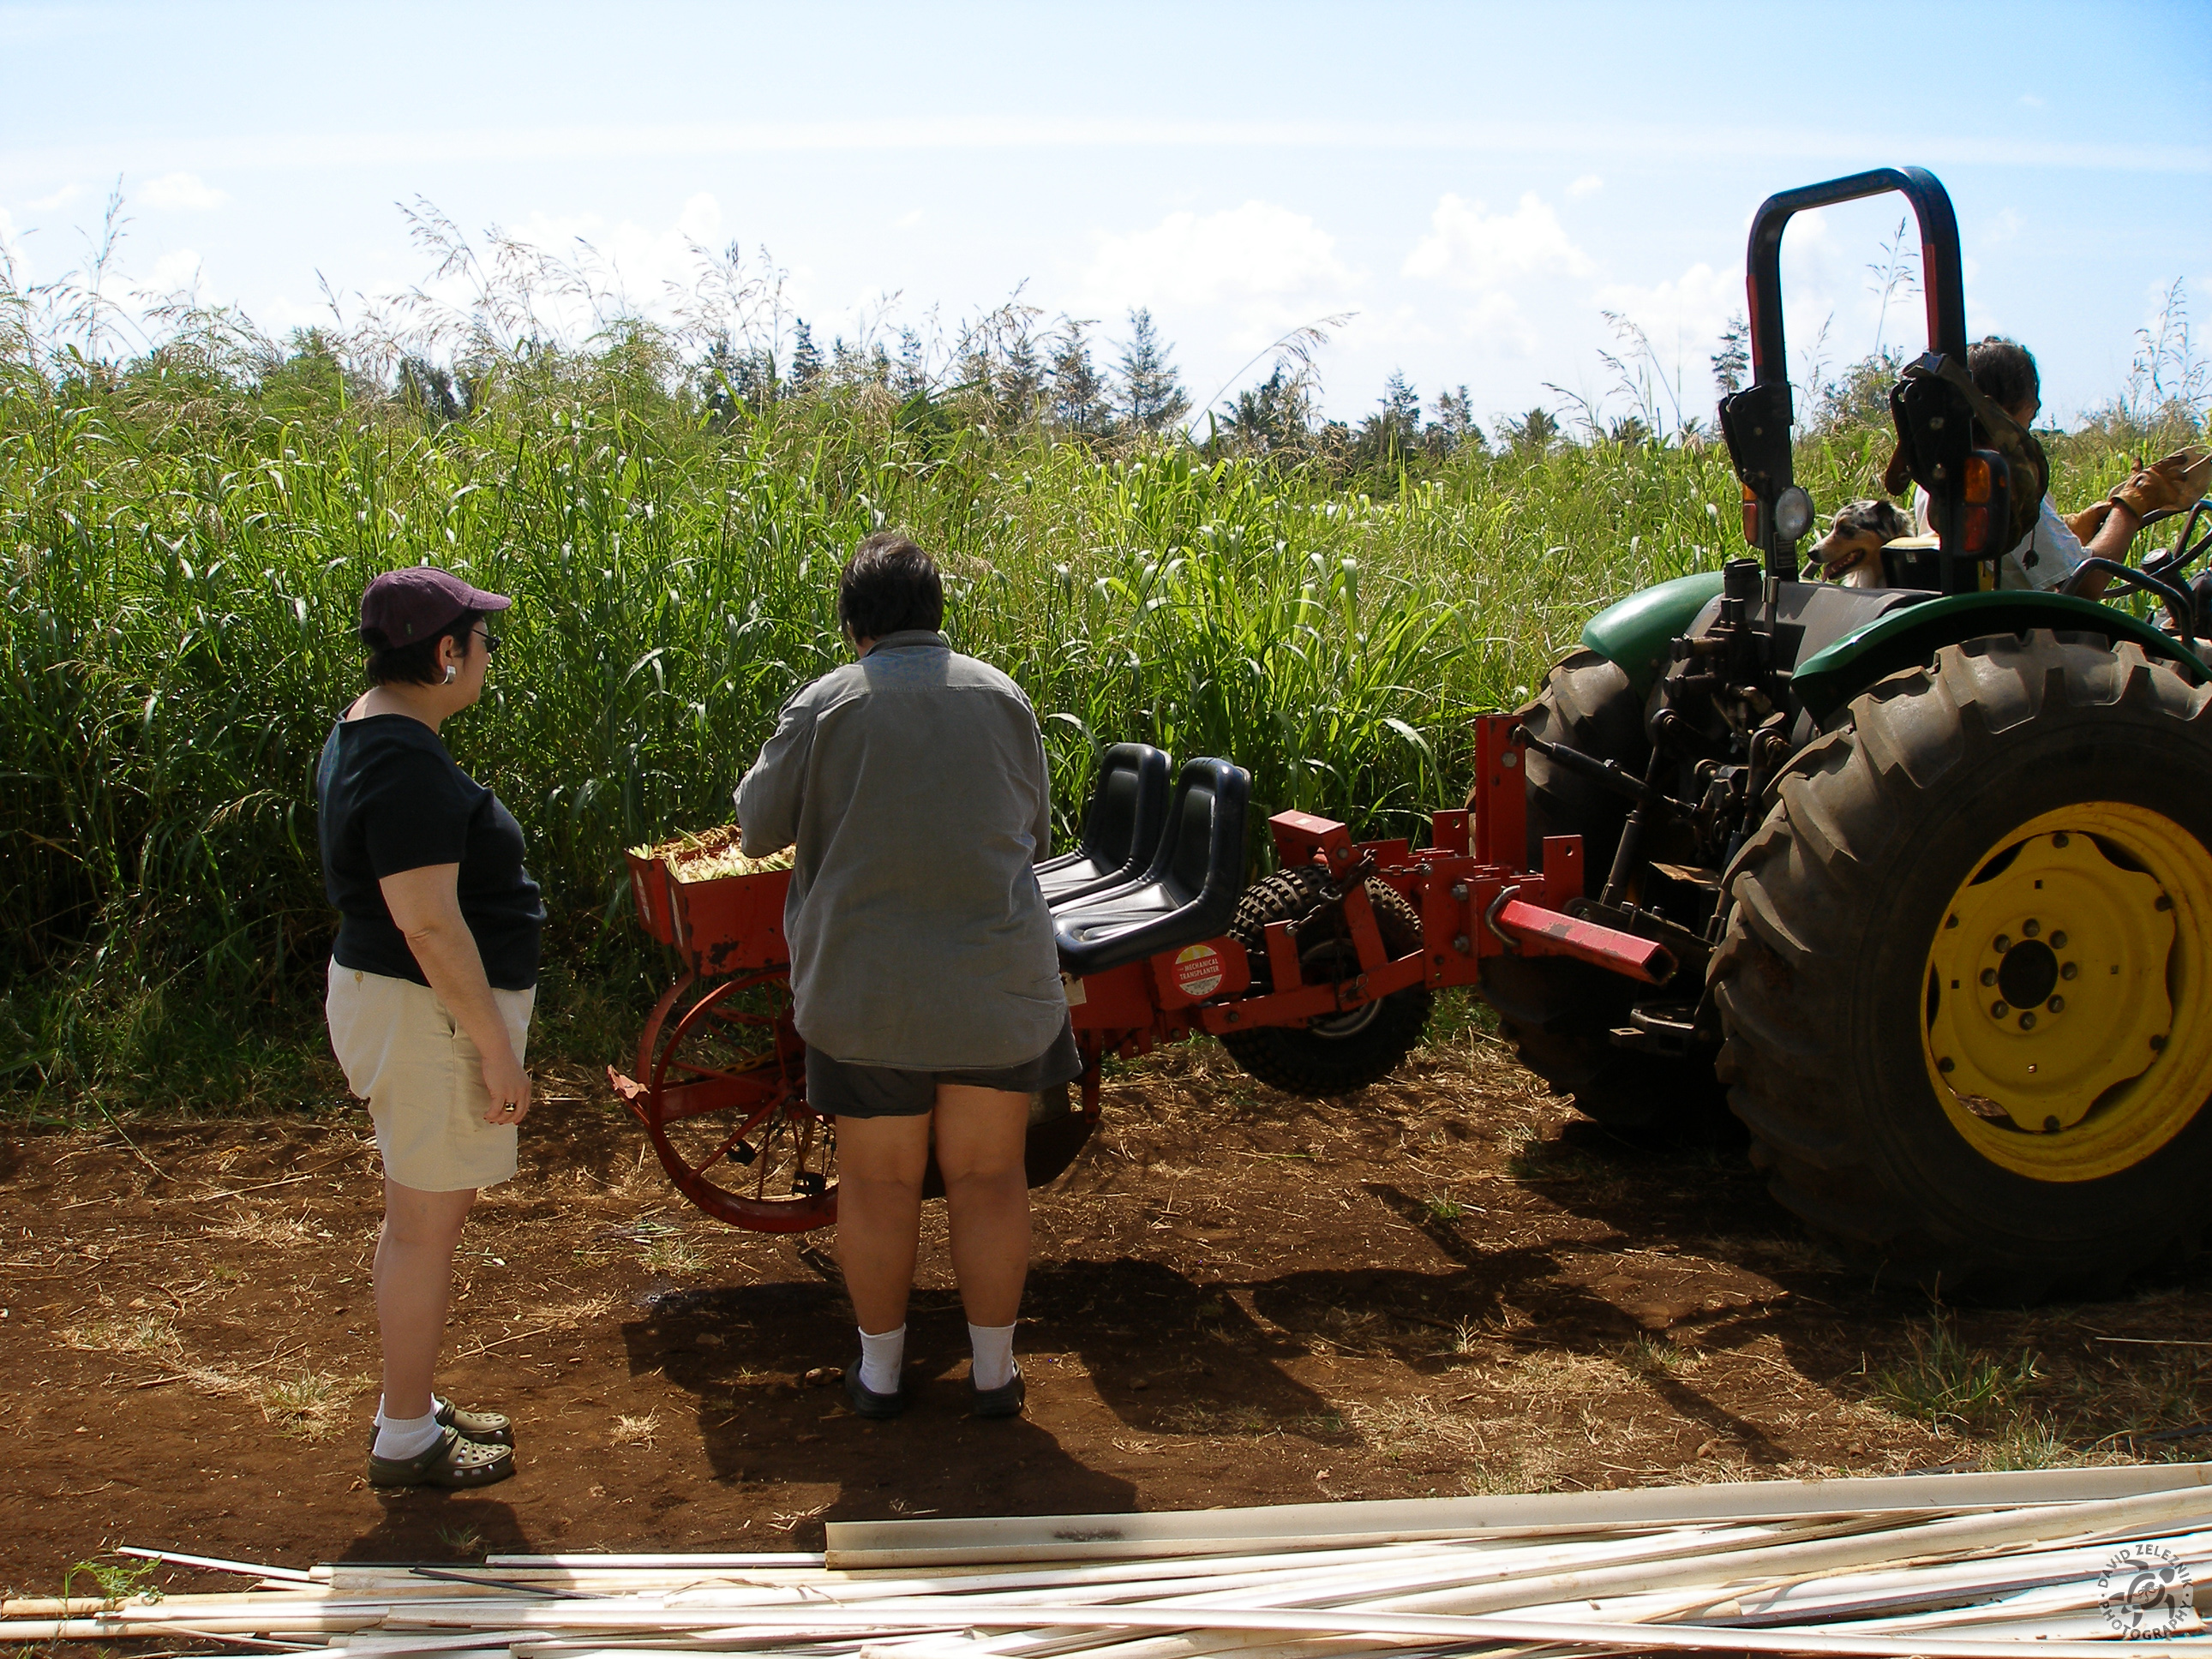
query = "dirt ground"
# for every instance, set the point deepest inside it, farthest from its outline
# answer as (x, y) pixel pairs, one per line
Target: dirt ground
(1449, 1284)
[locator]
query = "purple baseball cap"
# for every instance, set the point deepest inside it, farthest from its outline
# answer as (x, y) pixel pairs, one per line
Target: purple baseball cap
(413, 604)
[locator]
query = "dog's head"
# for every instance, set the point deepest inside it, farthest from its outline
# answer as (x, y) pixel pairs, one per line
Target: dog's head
(1859, 531)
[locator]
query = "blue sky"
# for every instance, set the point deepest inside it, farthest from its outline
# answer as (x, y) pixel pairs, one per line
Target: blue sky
(1476, 185)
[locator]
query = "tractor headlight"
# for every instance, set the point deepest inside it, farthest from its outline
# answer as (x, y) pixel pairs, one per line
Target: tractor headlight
(1793, 514)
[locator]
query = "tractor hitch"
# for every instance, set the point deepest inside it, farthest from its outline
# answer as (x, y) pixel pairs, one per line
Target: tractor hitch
(1532, 931)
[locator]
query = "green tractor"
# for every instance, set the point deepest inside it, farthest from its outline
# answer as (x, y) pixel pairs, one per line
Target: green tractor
(1935, 858)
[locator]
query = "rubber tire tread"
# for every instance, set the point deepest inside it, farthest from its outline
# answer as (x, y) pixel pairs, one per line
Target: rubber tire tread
(1293, 1058)
(1558, 1013)
(1864, 1157)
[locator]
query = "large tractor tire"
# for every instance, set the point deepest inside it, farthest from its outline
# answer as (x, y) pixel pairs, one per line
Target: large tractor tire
(1967, 983)
(1336, 1054)
(1558, 1013)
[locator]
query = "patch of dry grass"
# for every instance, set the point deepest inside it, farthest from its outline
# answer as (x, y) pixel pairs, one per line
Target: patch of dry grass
(1196, 1417)
(1467, 1338)
(1415, 1426)
(1555, 1373)
(144, 1336)
(307, 1404)
(636, 1431)
(580, 1312)
(270, 1229)
(1522, 1465)
(671, 1253)
(2030, 1442)
(1649, 1357)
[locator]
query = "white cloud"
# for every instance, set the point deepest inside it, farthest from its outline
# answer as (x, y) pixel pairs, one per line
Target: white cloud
(1495, 324)
(1687, 311)
(280, 314)
(1253, 252)
(180, 192)
(1400, 325)
(1588, 185)
(701, 219)
(1469, 247)
(908, 221)
(177, 271)
(61, 198)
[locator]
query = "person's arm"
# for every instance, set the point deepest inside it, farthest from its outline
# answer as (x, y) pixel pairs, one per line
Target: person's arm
(2115, 528)
(2175, 482)
(425, 907)
(769, 796)
(1042, 830)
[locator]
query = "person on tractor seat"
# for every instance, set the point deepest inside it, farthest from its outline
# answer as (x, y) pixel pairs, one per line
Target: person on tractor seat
(924, 976)
(2050, 557)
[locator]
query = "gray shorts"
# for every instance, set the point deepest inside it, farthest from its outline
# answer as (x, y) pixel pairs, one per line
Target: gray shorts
(836, 1090)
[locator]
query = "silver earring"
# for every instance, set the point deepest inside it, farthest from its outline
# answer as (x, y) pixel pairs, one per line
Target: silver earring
(452, 673)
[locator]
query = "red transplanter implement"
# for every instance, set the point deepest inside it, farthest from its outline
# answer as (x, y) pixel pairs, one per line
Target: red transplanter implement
(1317, 978)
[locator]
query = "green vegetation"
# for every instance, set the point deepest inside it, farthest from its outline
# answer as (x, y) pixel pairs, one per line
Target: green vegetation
(1944, 1383)
(132, 1581)
(185, 533)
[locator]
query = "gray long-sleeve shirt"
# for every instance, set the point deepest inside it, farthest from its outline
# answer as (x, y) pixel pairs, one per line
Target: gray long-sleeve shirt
(915, 787)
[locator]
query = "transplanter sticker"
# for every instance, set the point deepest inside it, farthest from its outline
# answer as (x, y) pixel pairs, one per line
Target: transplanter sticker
(1198, 971)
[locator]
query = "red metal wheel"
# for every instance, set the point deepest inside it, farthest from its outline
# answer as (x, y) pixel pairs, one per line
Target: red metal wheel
(723, 1101)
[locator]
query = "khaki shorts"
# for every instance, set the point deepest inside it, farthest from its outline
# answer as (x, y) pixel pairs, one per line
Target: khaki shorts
(422, 1079)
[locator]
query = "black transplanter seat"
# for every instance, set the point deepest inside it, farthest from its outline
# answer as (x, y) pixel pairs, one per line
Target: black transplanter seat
(1188, 894)
(1121, 826)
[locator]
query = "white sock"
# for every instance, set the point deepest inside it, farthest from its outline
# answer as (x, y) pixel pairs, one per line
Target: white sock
(880, 1359)
(993, 1348)
(406, 1437)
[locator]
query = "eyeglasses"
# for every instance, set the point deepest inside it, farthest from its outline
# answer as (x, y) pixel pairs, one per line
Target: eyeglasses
(490, 640)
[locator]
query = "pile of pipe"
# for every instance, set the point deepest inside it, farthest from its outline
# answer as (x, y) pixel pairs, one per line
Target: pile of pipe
(1948, 1566)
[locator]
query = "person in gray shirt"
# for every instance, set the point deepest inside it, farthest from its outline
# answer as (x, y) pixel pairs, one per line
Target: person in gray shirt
(925, 981)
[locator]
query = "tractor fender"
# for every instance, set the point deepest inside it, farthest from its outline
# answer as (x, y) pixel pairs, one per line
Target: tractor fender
(1635, 633)
(1909, 638)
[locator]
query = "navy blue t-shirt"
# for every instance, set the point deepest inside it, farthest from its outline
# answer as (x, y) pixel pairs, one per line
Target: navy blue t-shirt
(390, 799)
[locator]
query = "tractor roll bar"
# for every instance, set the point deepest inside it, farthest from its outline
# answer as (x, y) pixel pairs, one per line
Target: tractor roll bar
(1757, 420)
(1939, 259)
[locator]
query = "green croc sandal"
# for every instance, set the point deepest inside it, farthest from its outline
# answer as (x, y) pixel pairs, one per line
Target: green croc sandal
(454, 1459)
(485, 1428)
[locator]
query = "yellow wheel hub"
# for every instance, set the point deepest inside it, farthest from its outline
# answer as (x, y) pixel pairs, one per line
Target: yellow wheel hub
(2068, 1025)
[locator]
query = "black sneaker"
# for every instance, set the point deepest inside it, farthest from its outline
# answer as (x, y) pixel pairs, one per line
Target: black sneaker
(1003, 1401)
(865, 1401)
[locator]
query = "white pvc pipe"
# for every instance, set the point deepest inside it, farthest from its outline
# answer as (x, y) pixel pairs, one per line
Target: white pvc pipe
(1746, 1567)
(861, 1543)
(1443, 1627)
(680, 1563)
(215, 1564)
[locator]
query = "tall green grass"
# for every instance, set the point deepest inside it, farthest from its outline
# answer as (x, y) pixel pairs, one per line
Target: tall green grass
(181, 566)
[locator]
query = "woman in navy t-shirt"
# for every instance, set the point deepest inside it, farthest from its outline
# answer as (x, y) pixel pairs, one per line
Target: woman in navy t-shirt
(431, 983)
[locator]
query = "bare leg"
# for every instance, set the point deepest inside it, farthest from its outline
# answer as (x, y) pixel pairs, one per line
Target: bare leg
(980, 1134)
(880, 1161)
(414, 1284)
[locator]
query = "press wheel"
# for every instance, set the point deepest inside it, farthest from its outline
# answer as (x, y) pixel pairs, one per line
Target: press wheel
(724, 1103)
